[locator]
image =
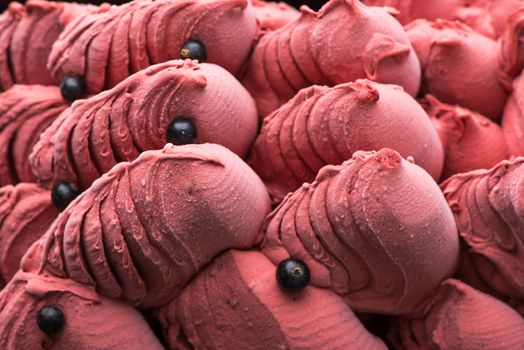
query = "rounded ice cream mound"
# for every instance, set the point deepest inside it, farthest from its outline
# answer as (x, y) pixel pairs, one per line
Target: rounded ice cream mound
(117, 125)
(371, 230)
(488, 206)
(323, 125)
(511, 47)
(25, 112)
(240, 288)
(460, 317)
(26, 212)
(272, 16)
(104, 48)
(144, 229)
(470, 140)
(459, 66)
(489, 18)
(79, 318)
(513, 119)
(314, 49)
(27, 33)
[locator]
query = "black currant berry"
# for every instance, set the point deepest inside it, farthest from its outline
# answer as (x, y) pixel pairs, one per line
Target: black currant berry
(195, 50)
(181, 131)
(72, 88)
(50, 320)
(64, 193)
(292, 274)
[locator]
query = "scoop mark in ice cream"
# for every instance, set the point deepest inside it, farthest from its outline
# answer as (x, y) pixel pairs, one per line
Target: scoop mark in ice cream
(64, 193)
(50, 320)
(72, 88)
(292, 274)
(181, 131)
(195, 50)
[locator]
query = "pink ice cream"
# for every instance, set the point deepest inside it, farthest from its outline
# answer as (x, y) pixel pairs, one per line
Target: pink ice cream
(314, 49)
(488, 206)
(488, 17)
(460, 317)
(145, 228)
(471, 141)
(459, 66)
(26, 212)
(94, 134)
(371, 229)
(91, 321)
(236, 303)
(273, 15)
(323, 125)
(106, 47)
(27, 33)
(513, 119)
(25, 112)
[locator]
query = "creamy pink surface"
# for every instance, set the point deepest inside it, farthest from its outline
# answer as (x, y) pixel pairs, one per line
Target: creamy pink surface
(323, 125)
(371, 229)
(26, 212)
(511, 48)
(91, 321)
(488, 206)
(93, 135)
(236, 303)
(27, 33)
(25, 112)
(488, 17)
(470, 140)
(513, 119)
(460, 317)
(314, 49)
(459, 66)
(145, 228)
(273, 15)
(108, 46)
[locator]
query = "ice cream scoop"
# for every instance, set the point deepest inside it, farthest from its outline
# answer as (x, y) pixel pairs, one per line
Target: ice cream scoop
(470, 140)
(25, 112)
(371, 230)
(488, 206)
(27, 33)
(272, 16)
(459, 65)
(236, 303)
(168, 102)
(488, 17)
(145, 228)
(46, 312)
(459, 317)
(513, 119)
(26, 212)
(344, 41)
(106, 47)
(323, 125)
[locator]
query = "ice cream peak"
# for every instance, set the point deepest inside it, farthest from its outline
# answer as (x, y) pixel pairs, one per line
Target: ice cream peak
(236, 303)
(106, 47)
(323, 125)
(371, 230)
(470, 140)
(93, 135)
(488, 206)
(145, 228)
(25, 112)
(314, 50)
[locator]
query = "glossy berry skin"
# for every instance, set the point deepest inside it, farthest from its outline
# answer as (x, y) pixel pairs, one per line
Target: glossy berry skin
(181, 131)
(50, 320)
(195, 50)
(292, 275)
(64, 193)
(72, 88)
